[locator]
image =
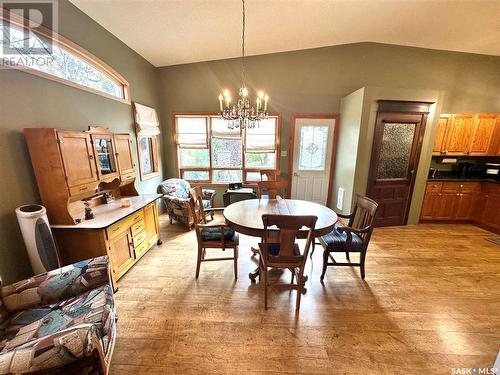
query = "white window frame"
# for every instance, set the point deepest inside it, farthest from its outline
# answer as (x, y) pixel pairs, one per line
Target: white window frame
(210, 168)
(75, 50)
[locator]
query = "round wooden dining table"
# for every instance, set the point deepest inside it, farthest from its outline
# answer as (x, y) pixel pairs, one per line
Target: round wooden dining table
(246, 216)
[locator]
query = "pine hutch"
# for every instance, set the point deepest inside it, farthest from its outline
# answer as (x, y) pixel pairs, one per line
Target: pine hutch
(94, 168)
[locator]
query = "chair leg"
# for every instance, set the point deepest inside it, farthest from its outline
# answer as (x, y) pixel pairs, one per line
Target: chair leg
(198, 262)
(313, 247)
(300, 286)
(264, 276)
(292, 270)
(347, 256)
(362, 264)
(325, 261)
(236, 262)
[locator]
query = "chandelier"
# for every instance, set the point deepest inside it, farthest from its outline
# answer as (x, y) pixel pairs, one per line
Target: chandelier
(242, 114)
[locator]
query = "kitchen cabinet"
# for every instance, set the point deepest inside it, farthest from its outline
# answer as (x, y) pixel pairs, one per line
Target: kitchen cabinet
(450, 201)
(483, 130)
(459, 134)
(439, 143)
(477, 202)
(467, 135)
(489, 216)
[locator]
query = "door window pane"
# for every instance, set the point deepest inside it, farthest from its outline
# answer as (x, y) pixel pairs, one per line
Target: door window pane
(395, 153)
(227, 176)
(313, 148)
(226, 153)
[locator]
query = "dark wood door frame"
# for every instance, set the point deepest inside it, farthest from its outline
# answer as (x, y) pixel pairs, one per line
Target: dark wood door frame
(291, 147)
(404, 112)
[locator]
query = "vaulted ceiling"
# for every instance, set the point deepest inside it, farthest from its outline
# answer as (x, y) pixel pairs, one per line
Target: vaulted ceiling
(169, 32)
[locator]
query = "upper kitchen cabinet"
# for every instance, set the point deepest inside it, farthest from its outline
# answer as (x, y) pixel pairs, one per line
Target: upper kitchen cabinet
(444, 121)
(467, 135)
(459, 134)
(484, 126)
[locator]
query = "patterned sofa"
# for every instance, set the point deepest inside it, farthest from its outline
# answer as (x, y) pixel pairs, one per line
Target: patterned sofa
(176, 198)
(59, 322)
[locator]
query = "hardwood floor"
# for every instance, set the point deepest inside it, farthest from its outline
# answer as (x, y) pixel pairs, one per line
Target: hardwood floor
(430, 303)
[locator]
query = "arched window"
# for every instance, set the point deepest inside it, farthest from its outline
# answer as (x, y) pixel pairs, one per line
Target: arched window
(46, 54)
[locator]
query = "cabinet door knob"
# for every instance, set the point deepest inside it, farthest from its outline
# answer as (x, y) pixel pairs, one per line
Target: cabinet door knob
(458, 195)
(461, 185)
(91, 156)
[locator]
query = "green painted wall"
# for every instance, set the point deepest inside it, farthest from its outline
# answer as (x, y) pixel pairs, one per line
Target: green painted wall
(29, 101)
(316, 80)
(351, 111)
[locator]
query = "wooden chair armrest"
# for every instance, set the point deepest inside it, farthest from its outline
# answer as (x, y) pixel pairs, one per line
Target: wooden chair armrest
(207, 210)
(349, 230)
(345, 216)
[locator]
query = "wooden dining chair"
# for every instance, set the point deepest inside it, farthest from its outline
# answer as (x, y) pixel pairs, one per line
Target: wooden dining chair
(353, 238)
(269, 174)
(270, 189)
(213, 235)
(285, 254)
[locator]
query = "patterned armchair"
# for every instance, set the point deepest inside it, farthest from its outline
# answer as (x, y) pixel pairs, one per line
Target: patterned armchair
(176, 199)
(59, 322)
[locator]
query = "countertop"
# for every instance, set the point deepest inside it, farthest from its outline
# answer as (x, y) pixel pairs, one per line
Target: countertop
(107, 214)
(443, 176)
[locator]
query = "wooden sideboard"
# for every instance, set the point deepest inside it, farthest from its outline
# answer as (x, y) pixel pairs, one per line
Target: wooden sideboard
(462, 201)
(468, 134)
(125, 234)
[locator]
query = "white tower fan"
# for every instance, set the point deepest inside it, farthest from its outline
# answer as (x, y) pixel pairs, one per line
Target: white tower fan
(37, 237)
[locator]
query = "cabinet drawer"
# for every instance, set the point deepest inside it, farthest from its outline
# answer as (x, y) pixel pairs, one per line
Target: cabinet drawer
(462, 187)
(137, 227)
(491, 188)
(139, 238)
(136, 217)
(117, 228)
(127, 176)
(433, 186)
(83, 189)
(141, 249)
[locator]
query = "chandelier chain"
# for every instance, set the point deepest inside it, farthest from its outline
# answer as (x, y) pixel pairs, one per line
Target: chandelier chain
(243, 42)
(243, 114)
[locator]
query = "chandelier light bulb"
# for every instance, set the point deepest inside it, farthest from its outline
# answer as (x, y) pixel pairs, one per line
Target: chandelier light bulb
(242, 114)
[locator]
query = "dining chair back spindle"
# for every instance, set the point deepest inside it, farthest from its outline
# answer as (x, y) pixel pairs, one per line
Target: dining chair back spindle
(269, 175)
(271, 189)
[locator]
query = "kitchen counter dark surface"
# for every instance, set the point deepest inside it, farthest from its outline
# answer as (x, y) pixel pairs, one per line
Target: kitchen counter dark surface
(447, 176)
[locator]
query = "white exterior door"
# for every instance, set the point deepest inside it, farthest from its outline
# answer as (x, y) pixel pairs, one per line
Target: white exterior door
(312, 156)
